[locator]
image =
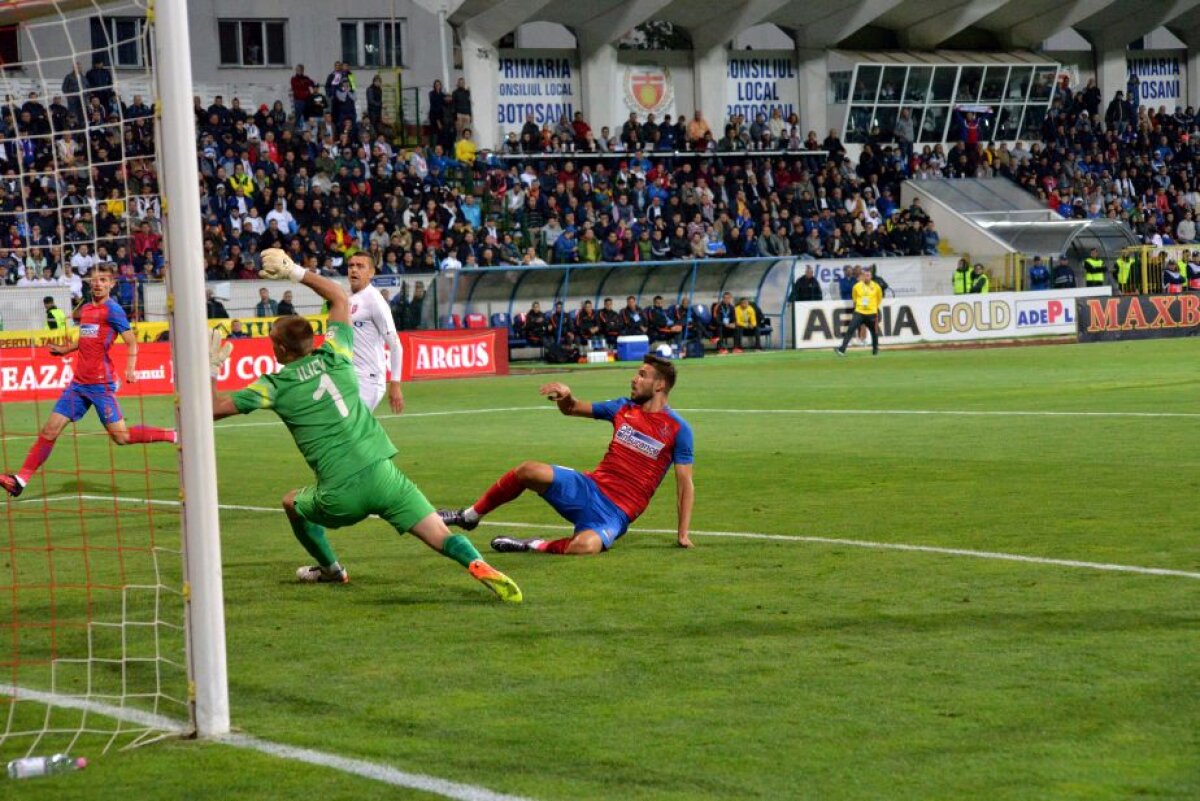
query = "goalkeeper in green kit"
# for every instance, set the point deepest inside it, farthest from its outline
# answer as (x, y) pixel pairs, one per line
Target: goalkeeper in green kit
(316, 395)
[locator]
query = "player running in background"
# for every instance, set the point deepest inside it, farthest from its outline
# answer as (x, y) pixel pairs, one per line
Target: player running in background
(648, 437)
(95, 382)
(315, 393)
(373, 328)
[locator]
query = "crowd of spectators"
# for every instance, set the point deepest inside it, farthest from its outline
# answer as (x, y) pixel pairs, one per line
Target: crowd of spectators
(1123, 161)
(78, 184)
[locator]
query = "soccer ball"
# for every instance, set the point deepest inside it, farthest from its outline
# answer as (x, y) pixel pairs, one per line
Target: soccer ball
(664, 350)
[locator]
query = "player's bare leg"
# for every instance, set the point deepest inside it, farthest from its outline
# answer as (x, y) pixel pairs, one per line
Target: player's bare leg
(120, 434)
(433, 532)
(312, 537)
(583, 543)
(536, 476)
(39, 452)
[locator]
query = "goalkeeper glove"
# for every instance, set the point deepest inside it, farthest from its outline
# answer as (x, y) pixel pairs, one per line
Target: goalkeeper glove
(217, 353)
(278, 265)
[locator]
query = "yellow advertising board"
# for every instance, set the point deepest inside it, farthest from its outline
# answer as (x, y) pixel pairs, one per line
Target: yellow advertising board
(151, 332)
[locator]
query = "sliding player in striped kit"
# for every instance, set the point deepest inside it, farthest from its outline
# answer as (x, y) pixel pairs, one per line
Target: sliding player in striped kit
(95, 383)
(648, 439)
(373, 328)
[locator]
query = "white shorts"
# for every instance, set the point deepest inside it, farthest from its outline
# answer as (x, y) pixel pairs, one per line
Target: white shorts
(371, 393)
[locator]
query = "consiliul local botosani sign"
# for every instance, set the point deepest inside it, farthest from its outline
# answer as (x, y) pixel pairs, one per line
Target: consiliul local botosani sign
(760, 84)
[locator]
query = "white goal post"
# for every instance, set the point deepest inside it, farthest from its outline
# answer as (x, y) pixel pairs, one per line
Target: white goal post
(205, 604)
(53, 35)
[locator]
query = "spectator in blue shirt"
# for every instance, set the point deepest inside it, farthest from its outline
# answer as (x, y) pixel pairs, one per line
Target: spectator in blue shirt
(471, 212)
(566, 247)
(846, 282)
(1039, 275)
(930, 240)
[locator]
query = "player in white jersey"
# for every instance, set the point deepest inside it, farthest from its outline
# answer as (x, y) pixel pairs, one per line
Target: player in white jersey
(373, 328)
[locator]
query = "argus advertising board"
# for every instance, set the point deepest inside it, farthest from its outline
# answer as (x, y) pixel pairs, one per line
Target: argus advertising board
(35, 374)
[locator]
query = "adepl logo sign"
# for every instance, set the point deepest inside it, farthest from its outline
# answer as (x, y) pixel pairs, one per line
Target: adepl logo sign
(648, 89)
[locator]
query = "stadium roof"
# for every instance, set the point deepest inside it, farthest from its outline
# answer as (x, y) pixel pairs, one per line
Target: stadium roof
(1071, 238)
(857, 24)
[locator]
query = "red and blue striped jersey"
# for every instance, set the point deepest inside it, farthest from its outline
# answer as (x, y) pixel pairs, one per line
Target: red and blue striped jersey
(99, 325)
(643, 446)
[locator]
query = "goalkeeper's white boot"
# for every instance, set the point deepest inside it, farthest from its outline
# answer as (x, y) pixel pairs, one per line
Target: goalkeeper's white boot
(315, 574)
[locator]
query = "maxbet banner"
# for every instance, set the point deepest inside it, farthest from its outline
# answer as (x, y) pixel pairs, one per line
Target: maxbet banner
(1138, 317)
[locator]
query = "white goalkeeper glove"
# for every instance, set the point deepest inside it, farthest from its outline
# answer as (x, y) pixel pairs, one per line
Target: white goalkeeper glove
(278, 265)
(217, 352)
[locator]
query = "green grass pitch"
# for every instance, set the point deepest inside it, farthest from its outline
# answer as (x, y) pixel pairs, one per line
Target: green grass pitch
(746, 668)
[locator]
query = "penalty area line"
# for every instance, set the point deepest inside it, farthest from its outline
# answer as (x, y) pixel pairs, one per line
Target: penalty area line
(358, 767)
(895, 546)
(951, 412)
(912, 412)
(754, 535)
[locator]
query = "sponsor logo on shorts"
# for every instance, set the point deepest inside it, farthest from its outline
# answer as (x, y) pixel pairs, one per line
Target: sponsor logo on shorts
(642, 443)
(90, 330)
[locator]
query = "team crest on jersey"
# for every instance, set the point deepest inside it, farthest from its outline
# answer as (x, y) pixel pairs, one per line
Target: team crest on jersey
(642, 443)
(89, 330)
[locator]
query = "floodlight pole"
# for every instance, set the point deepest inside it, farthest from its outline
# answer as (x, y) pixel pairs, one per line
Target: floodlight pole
(208, 688)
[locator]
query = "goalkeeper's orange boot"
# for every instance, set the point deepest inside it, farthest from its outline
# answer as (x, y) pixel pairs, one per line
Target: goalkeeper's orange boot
(505, 588)
(12, 485)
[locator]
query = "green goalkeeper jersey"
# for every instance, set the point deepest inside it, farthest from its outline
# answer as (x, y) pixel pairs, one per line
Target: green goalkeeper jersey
(317, 399)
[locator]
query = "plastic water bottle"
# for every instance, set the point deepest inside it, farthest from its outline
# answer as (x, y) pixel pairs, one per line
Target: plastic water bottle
(30, 767)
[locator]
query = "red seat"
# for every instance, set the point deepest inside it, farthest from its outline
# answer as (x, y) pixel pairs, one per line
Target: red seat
(476, 321)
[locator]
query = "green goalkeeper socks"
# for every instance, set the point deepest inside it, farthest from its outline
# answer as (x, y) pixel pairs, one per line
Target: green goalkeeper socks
(460, 549)
(312, 537)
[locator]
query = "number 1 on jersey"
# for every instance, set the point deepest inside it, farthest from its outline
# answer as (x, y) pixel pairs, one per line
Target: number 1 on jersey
(326, 387)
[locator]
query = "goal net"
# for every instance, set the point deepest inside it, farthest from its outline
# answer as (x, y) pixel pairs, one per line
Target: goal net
(93, 591)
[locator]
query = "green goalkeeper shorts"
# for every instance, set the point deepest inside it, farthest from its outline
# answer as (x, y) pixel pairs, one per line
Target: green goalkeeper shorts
(380, 489)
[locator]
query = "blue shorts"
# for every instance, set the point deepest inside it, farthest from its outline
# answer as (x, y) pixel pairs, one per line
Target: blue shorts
(78, 398)
(577, 498)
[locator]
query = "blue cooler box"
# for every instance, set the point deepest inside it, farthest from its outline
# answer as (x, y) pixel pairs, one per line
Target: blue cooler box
(632, 349)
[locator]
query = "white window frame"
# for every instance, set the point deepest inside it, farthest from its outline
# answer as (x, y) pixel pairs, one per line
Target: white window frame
(241, 23)
(142, 40)
(399, 31)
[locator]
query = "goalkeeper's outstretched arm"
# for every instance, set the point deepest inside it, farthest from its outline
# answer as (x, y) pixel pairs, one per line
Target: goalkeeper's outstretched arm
(278, 265)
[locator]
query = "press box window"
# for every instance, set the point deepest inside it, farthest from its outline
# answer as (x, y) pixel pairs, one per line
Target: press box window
(252, 43)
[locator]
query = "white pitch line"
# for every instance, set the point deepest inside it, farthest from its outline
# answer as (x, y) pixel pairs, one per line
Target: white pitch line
(276, 422)
(897, 546)
(406, 415)
(947, 412)
(754, 535)
(370, 770)
(358, 767)
(121, 713)
(922, 412)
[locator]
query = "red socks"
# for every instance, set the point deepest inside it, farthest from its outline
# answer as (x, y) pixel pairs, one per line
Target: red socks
(40, 452)
(142, 434)
(37, 455)
(555, 546)
(500, 493)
